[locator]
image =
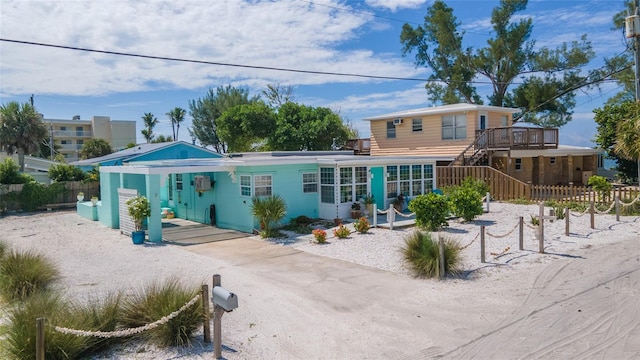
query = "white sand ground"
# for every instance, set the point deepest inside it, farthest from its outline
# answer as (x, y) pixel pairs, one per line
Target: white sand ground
(581, 299)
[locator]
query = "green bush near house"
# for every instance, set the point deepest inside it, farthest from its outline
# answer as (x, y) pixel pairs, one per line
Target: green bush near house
(422, 255)
(65, 172)
(431, 211)
(157, 300)
(24, 273)
(466, 203)
(268, 210)
(601, 185)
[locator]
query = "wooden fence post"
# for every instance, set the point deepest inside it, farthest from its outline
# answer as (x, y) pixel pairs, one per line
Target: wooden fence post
(541, 238)
(521, 233)
(205, 310)
(617, 199)
(592, 213)
(442, 270)
(40, 338)
(482, 244)
(566, 221)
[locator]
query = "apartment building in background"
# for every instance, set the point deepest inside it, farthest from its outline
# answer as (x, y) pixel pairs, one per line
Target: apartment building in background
(71, 135)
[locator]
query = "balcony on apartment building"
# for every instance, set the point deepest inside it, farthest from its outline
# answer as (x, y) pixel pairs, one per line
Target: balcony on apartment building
(72, 133)
(70, 147)
(517, 138)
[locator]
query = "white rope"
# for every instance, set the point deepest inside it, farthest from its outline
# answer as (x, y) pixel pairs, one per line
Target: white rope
(382, 212)
(629, 204)
(130, 331)
(505, 235)
(469, 244)
(579, 215)
(606, 211)
(401, 214)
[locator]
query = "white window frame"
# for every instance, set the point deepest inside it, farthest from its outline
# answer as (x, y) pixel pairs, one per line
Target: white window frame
(416, 125)
(309, 185)
(396, 181)
(456, 125)
(327, 185)
(258, 189)
(391, 130)
(244, 186)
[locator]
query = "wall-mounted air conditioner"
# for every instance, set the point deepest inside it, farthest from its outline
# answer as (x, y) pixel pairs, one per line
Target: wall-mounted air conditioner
(397, 121)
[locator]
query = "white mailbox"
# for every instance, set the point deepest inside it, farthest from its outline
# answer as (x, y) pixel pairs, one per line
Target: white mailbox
(224, 298)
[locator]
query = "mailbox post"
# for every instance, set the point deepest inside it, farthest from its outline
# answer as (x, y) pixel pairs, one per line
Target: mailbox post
(223, 301)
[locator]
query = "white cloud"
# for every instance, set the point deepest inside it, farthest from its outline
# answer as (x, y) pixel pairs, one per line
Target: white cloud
(395, 5)
(281, 34)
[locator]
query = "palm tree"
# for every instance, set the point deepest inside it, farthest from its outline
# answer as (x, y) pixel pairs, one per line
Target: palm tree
(150, 122)
(628, 140)
(21, 130)
(177, 116)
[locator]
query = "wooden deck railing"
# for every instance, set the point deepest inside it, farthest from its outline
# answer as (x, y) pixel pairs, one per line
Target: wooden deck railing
(501, 186)
(518, 137)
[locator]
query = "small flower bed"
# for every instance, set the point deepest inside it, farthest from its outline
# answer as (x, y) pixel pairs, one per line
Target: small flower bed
(320, 236)
(362, 225)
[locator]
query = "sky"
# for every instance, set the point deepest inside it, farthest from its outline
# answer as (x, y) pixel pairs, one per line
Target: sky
(337, 36)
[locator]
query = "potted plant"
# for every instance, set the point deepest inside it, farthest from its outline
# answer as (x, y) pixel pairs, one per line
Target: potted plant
(139, 209)
(355, 210)
(368, 201)
(398, 203)
(80, 196)
(94, 200)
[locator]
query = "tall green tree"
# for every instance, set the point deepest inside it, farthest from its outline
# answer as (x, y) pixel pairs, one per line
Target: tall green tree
(621, 65)
(300, 127)
(277, 95)
(21, 130)
(150, 122)
(94, 148)
(176, 116)
(509, 55)
(628, 138)
(246, 127)
(206, 111)
(614, 125)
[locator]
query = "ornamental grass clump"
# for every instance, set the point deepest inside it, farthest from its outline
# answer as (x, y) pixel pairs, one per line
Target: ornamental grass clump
(158, 300)
(24, 273)
(422, 255)
(341, 232)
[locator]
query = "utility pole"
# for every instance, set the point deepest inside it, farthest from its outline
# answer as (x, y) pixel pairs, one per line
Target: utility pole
(632, 30)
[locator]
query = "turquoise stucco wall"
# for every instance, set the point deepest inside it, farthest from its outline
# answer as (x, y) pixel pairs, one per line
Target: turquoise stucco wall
(108, 211)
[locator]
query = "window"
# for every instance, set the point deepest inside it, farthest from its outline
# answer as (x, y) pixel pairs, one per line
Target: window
(504, 120)
(309, 183)
(391, 130)
(64, 142)
(170, 182)
(79, 131)
(179, 182)
(518, 164)
(552, 161)
(409, 180)
(346, 179)
(262, 185)
(416, 125)
(245, 185)
(327, 183)
(63, 128)
(353, 183)
(454, 127)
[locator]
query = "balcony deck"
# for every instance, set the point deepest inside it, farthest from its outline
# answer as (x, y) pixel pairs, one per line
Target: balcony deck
(517, 138)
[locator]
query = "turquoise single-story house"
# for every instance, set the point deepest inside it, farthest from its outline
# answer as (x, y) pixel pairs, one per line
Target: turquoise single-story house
(219, 191)
(148, 152)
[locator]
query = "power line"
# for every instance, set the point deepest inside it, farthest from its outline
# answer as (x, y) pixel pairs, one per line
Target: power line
(379, 77)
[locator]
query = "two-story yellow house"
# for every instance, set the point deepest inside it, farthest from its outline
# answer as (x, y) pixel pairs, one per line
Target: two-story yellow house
(469, 134)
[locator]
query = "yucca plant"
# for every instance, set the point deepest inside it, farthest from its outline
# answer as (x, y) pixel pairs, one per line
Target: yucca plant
(157, 300)
(23, 273)
(423, 256)
(269, 210)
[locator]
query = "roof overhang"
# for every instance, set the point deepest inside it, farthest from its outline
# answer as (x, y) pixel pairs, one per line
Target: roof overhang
(445, 109)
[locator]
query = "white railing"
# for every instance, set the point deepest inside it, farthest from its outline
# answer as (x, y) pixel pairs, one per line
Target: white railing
(72, 133)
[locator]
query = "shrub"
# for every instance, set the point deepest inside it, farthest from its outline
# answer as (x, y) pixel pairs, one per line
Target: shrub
(3, 250)
(64, 172)
(423, 256)
(20, 330)
(534, 220)
(158, 300)
(341, 232)
(476, 185)
(10, 172)
(601, 185)
(320, 236)
(268, 210)
(466, 203)
(25, 273)
(431, 211)
(362, 225)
